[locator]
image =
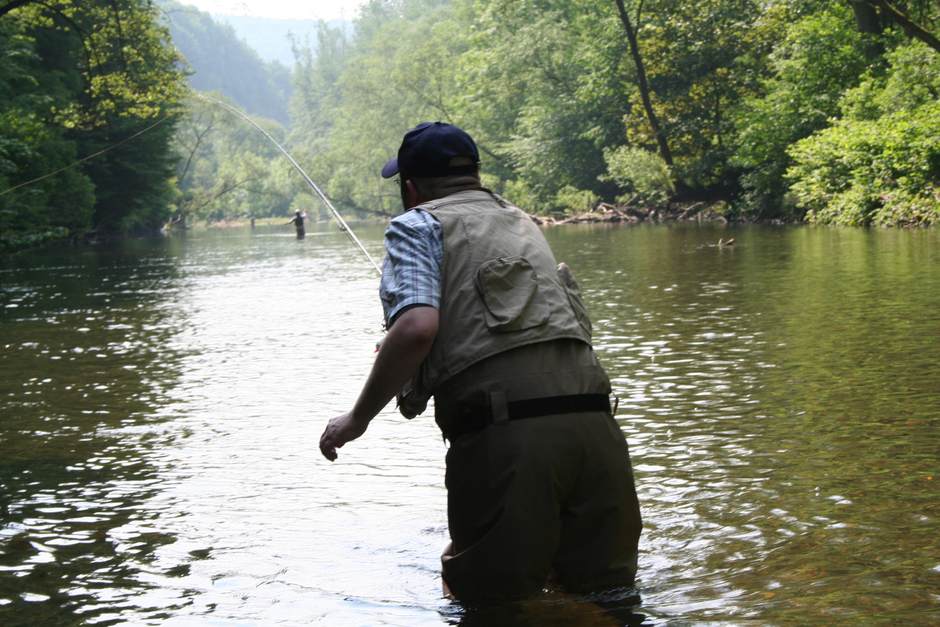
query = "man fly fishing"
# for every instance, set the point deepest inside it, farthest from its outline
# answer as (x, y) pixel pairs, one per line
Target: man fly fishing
(298, 222)
(481, 317)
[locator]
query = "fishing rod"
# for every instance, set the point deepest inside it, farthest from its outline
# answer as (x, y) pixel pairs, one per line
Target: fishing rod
(86, 158)
(306, 177)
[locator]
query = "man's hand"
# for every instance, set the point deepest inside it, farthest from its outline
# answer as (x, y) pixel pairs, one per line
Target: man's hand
(407, 344)
(340, 430)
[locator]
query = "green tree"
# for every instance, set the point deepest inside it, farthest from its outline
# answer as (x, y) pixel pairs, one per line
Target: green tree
(30, 147)
(227, 169)
(99, 72)
(391, 79)
(820, 55)
(555, 94)
(543, 93)
(880, 162)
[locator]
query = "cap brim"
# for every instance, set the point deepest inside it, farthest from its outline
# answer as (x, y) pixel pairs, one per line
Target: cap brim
(390, 169)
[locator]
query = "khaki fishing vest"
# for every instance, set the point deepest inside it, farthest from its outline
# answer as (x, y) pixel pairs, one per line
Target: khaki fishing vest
(501, 287)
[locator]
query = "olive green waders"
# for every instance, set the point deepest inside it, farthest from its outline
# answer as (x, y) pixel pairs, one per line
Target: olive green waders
(549, 496)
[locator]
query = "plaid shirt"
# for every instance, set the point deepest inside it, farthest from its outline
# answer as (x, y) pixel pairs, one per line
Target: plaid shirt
(411, 272)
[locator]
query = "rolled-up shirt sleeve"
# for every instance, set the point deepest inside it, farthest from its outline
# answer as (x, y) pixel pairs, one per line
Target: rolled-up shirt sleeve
(411, 272)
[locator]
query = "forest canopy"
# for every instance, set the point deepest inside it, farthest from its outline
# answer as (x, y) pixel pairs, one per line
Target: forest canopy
(784, 110)
(787, 110)
(79, 79)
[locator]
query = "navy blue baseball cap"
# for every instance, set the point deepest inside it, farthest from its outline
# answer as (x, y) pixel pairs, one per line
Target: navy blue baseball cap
(434, 149)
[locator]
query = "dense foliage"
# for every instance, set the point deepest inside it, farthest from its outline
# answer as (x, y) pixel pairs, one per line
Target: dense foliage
(227, 169)
(759, 103)
(782, 109)
(879, 161)
(78, 78)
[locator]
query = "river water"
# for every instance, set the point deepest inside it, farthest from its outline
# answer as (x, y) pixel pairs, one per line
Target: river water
(161, 403)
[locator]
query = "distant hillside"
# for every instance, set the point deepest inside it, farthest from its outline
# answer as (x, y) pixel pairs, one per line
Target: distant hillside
(272, 37)
(220, 61)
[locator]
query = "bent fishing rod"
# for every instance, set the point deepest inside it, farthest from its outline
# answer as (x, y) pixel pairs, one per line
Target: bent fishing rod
(307, 179)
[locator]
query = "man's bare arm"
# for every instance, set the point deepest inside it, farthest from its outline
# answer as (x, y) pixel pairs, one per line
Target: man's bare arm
(406, 345)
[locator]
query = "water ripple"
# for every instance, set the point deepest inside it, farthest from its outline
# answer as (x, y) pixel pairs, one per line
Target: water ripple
(162, 403)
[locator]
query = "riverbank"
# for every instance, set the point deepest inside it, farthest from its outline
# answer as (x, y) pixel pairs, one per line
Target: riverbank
(604, 213)
(11, 243)
(243, 223)
(702, 212)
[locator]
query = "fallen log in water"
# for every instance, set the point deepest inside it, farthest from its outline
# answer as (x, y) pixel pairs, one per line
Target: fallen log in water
(632, 214)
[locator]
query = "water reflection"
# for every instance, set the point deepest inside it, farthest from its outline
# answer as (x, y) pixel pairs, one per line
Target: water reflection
(87, 350)
(609, 609)
(779, 397)
(162, 401)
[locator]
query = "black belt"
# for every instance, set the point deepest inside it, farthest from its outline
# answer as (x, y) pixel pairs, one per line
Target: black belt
(474, 417)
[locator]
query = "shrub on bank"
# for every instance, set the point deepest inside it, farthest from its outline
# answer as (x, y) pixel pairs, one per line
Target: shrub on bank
(640, 171)
(880, 163)
(574, 201)
(10, 242)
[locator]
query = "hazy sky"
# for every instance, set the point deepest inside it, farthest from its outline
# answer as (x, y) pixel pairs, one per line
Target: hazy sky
(296, 9)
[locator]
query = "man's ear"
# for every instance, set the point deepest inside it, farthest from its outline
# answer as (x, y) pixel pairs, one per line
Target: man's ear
(411, 197)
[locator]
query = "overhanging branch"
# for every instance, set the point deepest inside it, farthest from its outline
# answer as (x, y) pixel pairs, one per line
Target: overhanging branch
(910, 27)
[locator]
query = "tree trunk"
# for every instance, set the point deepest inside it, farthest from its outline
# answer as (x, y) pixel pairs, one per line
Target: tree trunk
(644, 85)
(866, 17)
(868, 22)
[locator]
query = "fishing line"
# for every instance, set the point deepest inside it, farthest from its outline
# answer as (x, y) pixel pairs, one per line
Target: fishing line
(89, 157)
(307, 179)
(293, 162)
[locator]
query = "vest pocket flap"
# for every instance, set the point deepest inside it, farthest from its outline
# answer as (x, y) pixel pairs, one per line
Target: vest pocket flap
(509, 288)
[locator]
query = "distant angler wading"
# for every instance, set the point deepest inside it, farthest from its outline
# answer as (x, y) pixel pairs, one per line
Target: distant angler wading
(482, 317)
(298, 222)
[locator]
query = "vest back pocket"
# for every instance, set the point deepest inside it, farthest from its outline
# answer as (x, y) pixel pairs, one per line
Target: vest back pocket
(509, 289)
